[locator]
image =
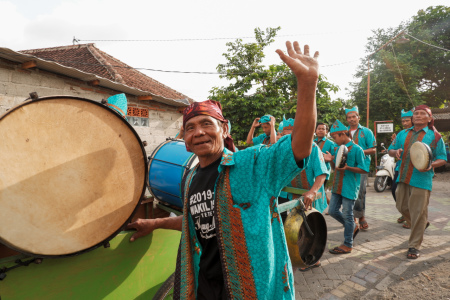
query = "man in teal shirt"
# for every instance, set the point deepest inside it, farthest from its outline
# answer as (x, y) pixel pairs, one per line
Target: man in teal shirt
(269, 136)
(244, 238)
(346, 185)
(363, 137)
(414, 186)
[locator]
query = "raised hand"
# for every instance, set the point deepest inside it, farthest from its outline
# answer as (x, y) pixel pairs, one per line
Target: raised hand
(256, 123)
(302, 65)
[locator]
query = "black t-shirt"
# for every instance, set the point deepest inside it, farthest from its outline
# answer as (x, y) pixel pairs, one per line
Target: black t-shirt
(201, 206)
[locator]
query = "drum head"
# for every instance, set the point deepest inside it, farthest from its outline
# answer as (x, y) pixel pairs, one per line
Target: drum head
(421, 155)
(72, 174)
(341, 156)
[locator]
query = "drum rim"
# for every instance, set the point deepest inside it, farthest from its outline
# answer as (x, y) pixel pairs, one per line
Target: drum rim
(105, 242)
(429, 151)
(150, 161)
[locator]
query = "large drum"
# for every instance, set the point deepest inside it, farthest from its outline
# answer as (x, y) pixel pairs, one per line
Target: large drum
(167, 166)
(72, 174)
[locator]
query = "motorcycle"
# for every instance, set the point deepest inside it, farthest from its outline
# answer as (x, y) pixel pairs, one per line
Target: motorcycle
(385, 173)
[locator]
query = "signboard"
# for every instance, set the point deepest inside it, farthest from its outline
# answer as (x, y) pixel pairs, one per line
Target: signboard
(385, 128)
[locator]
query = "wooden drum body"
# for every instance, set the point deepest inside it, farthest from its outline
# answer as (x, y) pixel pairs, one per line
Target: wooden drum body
(72, 173)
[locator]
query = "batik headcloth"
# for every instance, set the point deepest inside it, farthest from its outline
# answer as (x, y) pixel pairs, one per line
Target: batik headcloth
(338, 127)
(265, 119)
(424, 107)
(354, 109)
(209, 108)
(118, 103)
(406, 114)
(288, 124)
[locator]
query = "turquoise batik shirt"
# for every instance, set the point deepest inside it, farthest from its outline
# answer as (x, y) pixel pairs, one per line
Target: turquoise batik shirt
(407, 173)
(325, 145)
(261, 139)
(365, 139)
(397, 164)
(316, 166)
(346, 183)
(250, 234)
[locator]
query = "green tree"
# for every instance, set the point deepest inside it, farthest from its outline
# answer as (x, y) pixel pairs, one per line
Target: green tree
(404, 75)
(256, 90)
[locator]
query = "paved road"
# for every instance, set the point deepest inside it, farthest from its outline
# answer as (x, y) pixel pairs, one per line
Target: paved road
(378, 258)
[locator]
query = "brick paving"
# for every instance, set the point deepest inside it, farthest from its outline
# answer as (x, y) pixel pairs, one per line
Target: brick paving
(378, 258)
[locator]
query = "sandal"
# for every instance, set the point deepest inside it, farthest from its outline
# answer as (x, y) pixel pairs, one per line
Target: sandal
(355, 231)
(406, 225)
(318, 264)
(337, 250)
(363, 225)
(401, 219)
(413, 253)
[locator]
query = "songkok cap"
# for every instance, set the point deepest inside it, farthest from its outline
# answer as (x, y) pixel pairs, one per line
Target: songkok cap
(265, 119)
(354, 109)
(406, 114)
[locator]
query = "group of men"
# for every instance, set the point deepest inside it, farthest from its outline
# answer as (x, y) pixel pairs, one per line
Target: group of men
(243, 252)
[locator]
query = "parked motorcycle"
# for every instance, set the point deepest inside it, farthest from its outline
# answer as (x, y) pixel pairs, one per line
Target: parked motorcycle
(385, 173)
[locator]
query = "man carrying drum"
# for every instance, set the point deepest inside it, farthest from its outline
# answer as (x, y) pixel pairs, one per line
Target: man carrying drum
(325, 145)
(363, 137)
(346, 185)
(414, 186)
(406, 123)
(269, 136)
(231, 229)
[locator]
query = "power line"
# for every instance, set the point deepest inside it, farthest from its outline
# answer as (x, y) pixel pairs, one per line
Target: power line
(427, 43)
(209, 39)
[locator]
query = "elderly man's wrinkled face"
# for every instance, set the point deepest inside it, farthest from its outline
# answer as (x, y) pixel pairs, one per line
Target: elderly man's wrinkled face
(421, 117)
(204, 135)
(406, 122)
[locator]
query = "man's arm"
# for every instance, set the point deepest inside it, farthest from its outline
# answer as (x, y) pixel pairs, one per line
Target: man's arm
(146, 226)
(252, 131)
(306, 70)
(352, 169)
(273, 134)
(370, 151)
(308, 197)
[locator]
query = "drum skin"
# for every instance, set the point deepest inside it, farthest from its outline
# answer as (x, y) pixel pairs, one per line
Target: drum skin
(73, 172)
(167, 165)
(421, 155)
(341, 156)
(305, 250)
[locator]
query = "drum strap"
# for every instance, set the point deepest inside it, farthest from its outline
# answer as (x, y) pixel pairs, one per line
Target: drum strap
(320, 143)
(356, 136)
(406, 168)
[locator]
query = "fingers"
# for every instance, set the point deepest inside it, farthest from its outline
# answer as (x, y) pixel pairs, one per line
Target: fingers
(316, 54)
(297, 48)
(135, 236)
(306, 50)
(289, 48)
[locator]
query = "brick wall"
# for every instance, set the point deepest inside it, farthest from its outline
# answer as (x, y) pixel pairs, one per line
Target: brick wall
(16, 84)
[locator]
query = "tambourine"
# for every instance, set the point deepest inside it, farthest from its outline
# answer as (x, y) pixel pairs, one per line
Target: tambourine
(341, 156)
(421, 155)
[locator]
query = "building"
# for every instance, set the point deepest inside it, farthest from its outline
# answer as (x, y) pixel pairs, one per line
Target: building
(154, 109)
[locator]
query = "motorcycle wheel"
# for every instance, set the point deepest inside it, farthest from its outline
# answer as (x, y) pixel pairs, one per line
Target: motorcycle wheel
(380, 183)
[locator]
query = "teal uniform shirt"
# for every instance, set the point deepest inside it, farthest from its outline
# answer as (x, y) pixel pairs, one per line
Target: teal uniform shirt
(325, 145)
(316, 166)
(365, 139)
(346, 183)
(249, 230)
(261, 139)
(407, 173)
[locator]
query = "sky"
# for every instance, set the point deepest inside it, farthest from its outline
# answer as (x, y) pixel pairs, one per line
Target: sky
(337, 29)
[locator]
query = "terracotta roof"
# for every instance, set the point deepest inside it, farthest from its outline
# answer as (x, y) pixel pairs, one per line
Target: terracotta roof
(90, 59)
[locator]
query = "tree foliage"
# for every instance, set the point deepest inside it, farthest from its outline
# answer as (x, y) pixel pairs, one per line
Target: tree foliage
(404, 75)
(255, 90)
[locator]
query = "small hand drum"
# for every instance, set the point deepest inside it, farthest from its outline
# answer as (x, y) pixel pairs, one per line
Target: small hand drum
(341, 156)
(421, 155)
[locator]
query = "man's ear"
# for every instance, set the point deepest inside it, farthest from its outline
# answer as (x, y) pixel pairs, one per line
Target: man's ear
(224, 129)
